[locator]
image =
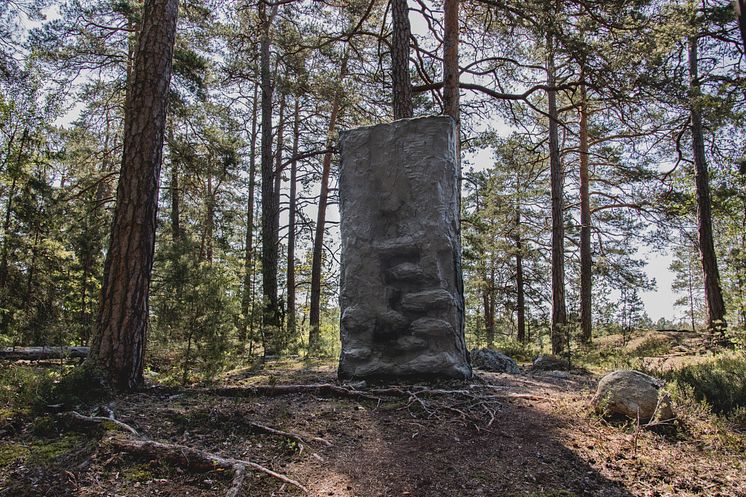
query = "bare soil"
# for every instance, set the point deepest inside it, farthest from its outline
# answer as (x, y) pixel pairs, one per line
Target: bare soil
(531, 434)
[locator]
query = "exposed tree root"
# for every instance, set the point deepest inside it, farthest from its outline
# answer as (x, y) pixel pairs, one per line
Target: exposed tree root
(196, 459)
(75, 419)
(182, 455)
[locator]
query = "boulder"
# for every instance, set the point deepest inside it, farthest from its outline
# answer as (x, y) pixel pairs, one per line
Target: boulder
(550, 363)
(629, 393)
(492, 360)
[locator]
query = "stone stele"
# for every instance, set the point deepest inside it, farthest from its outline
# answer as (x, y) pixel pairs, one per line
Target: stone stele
(401, 293)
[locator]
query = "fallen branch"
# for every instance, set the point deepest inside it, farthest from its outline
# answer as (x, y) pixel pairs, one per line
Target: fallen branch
(42, 353)
(287, 434)
(75, 419)
(191, 458)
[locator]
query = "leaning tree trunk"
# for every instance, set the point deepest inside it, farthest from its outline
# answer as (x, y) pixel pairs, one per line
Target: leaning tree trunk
(291, 223)
(713, 294)
(118, 347)
(559, 313)
(271, 311)
(314, 337)
(401, 85)
(586, 260)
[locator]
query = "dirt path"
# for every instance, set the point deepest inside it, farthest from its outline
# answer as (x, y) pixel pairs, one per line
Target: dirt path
(535, 437)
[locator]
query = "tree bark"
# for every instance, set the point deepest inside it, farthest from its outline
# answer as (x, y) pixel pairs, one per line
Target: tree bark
(586, 260)
(118, 347)
(318, 240)
(740, 6)
(519, 283)
(271, 309)
(291, 224)
(248, 262)
(450, 60)
(559, 313)
(713, 294)
(402, 87)
(488, 302)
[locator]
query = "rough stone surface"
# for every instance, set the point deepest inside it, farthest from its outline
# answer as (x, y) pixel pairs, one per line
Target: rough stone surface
(550, 363)
(401, 288)
(627, 392)
(492, 360)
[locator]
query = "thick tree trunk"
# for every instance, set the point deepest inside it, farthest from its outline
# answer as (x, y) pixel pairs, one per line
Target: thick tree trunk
(318, 240)
(713, 294)
(586, 260)
(559, 313)
(248, 263)
(450, 60)
(402, 87)
(121, 328)
(271, 310)
(291, 224)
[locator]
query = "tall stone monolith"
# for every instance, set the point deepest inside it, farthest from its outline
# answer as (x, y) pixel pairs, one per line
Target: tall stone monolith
(401, 299)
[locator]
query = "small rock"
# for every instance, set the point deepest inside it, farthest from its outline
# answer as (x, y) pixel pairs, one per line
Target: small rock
(550, 363)
(627, 393)
(492, 360)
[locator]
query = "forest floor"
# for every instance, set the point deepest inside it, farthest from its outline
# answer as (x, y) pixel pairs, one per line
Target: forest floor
(529, 434)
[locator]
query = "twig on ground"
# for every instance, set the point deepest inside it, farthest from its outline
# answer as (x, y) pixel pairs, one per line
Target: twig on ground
(73, 418)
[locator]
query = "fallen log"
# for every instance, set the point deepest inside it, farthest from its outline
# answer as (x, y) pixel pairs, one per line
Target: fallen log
(42, 353)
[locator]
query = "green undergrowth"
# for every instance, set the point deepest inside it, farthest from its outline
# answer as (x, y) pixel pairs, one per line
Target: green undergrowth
(720, 382)
(44, 452)
(27, 390)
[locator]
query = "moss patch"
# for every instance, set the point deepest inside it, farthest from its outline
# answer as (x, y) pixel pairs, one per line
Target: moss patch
(10, 453)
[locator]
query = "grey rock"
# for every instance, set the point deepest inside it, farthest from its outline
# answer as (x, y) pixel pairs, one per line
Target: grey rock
(492, 360)
(429, 299)
(431, 327)
(550, 363)
(406, 271)
(391, 323)
(401, 292)
(628, 392)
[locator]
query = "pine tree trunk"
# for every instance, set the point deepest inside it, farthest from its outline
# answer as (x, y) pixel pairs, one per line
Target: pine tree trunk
(586, 260)
(402, 87)
(488, 301)
(559, 313)
(318, 240)
(713, 294)
(741, 16)
(450, 60)
(291, 224)
(248, 262)
(118, 347)
(271, 310)
(519, 283)
(279, 338)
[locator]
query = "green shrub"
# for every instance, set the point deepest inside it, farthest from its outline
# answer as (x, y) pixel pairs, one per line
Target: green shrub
(521, 352)
(721, 382)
